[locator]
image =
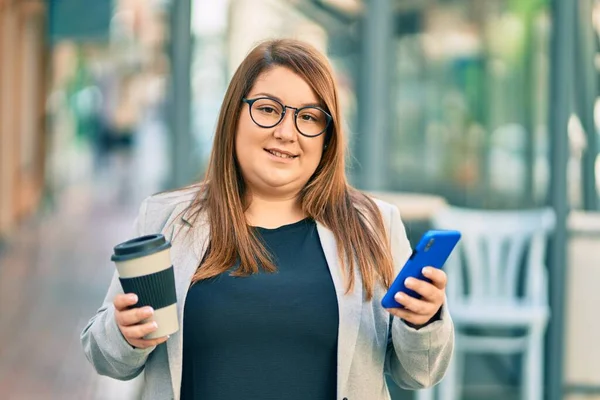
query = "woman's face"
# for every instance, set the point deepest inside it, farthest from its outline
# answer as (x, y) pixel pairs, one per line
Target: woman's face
(277, 160)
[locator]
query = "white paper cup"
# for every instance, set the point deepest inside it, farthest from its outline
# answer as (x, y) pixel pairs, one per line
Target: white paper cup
(144, 268)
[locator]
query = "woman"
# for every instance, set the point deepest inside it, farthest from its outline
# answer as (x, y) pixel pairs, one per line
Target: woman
(280, 264)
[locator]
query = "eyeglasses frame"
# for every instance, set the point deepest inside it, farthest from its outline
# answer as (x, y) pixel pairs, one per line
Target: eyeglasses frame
(284, 107)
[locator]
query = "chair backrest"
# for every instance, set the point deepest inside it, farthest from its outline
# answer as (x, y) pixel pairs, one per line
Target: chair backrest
(486, 265)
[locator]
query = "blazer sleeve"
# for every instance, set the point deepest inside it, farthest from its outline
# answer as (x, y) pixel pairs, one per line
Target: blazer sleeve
(103, 344)
(416, 359)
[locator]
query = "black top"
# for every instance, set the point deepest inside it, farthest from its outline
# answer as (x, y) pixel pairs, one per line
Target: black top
(269, 336)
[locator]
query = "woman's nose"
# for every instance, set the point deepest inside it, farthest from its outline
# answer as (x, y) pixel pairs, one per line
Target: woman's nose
(286, 130)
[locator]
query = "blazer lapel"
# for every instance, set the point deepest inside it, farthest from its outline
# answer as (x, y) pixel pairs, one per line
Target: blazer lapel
(349, 305)
(189, 244)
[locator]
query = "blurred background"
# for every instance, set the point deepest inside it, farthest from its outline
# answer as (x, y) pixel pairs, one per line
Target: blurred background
(481, 112)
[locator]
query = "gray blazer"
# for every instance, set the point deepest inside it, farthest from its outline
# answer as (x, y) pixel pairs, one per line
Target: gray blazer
(368, 346)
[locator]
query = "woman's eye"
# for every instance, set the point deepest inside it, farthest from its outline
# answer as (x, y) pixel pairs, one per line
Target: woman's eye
(267, 110)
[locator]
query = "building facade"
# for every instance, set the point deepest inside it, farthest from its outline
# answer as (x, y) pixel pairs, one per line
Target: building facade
(22, 115)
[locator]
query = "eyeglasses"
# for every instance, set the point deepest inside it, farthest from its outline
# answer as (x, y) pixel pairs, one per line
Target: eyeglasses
(266, 112)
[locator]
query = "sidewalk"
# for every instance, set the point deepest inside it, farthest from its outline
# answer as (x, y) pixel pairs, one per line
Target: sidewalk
(53, 276)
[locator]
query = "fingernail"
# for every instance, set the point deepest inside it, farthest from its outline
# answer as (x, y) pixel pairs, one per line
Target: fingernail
(155, 325)
(409, 282)
(133, 298)
(149, 310)
(426, 271)
(400, 296)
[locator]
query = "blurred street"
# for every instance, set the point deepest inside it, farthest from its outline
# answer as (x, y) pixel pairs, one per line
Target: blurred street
(53, 277)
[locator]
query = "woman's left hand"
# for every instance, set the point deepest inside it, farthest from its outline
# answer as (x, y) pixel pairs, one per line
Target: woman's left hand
(419, 311)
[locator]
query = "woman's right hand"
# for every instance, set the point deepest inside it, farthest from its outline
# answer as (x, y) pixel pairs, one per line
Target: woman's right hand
(129, 321)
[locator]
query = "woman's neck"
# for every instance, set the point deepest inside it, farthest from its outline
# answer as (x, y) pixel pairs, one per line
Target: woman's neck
(271, 212)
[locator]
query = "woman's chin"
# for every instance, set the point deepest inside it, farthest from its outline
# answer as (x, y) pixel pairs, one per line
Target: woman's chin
(278, 181)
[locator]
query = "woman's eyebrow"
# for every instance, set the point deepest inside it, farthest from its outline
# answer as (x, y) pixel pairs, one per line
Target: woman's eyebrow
(310, 104)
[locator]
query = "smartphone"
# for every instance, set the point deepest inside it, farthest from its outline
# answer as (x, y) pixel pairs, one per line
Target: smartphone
(433, 250)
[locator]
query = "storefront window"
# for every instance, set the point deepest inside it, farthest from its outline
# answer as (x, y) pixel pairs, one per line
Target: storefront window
(470, 104)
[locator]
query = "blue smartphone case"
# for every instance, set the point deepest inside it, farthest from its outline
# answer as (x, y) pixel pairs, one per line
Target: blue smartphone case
(433, 250)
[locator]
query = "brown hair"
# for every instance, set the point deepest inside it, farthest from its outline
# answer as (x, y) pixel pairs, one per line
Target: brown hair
(353, 218)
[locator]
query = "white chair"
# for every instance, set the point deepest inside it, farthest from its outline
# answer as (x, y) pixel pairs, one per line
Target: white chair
(497, 280)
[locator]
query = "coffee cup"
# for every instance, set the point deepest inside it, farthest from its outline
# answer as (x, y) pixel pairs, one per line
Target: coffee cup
(144, 267)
